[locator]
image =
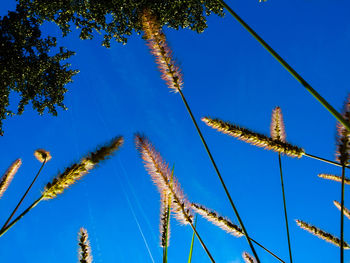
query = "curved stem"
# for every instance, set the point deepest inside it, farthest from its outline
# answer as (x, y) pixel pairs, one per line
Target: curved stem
(342, 216)
(285, 208)
(219, 175)
(303, 82)
(4, 230)
(25, 194)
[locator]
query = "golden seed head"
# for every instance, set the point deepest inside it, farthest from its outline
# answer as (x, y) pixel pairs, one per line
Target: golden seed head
(277, 129)
(333, 177)
(213, 217)
(85, 255)
(164, 227)
(254, 138)
(248, 258)
(42, 155)
(159, 48)
(163, 179)
(321, 234)
(346, 211)
(78, 170)
(8, 176)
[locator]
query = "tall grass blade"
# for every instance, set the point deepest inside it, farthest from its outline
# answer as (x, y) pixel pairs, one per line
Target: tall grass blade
(303, 82)
(192, 242)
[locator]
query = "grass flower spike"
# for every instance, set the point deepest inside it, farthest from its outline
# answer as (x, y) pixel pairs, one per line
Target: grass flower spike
(343, 138)
(346, 211)
(333, 177)
(78, 170)
(161, 176)
(8, 176)
(217, 220)
(277, 126)
(248, 258)
(321, 234)
(254, 138)
(42, 155)
(160, 49)
(165, 219)
(85, 255)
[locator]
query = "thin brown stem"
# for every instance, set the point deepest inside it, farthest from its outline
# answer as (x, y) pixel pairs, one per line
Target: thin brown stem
(219, 175)
(25, 194)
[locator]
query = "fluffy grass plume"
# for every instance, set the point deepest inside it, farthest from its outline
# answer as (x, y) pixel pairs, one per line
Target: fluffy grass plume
(346, 211)
(218, 220)
(161, 176)
(321, 234)
(78, 170)
(8, 176)
(248, 258)
(159, 48)
(254, 138)
(164, 227)
(277, 129)
(42, 155)
(85, 255)
(334, 178)
(343, 137)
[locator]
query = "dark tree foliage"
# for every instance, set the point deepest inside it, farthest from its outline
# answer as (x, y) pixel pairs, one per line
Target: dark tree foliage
(119, 18)
(28, 68)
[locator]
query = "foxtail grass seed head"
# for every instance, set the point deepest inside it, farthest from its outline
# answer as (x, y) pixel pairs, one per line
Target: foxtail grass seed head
(334, 178)
(161, 176)
(254, 138)
(213, 217)
(8, 176)
(248, 258)
(165, 219)
(42, 155)
(277, 129)
(321, 234)
(159, 48)
(343, 137)
(85, 255)
(78, 170)
(346, 211)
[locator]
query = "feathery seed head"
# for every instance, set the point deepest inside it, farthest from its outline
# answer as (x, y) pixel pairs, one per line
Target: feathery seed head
(161, 176)
(85, 255)
(8, 176)
(248, 258)
(42, 155)
(254, 138)
(346, 211)
(213, 217)
(159, 48)
(321, 234)
(78, 170)
(334, 178)
(165, 206)
(277, 129)
(343, 137)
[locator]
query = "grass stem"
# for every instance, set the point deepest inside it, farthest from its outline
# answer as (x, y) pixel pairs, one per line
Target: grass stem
(219, 175)
(285, 208)
(303, 82)
(4, 230)
(342, 216)
(25, 194)
(325, 160)
(192, 242)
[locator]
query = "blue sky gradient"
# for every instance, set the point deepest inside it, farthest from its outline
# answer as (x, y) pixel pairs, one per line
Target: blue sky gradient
(227, 74)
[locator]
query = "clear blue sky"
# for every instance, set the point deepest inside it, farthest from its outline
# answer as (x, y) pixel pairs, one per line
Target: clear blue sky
(227, 74)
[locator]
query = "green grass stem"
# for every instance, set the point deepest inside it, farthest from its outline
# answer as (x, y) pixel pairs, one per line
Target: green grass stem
(219, 175)
(303, 82)
(342, 216)
(192, 242)
(285, 208)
